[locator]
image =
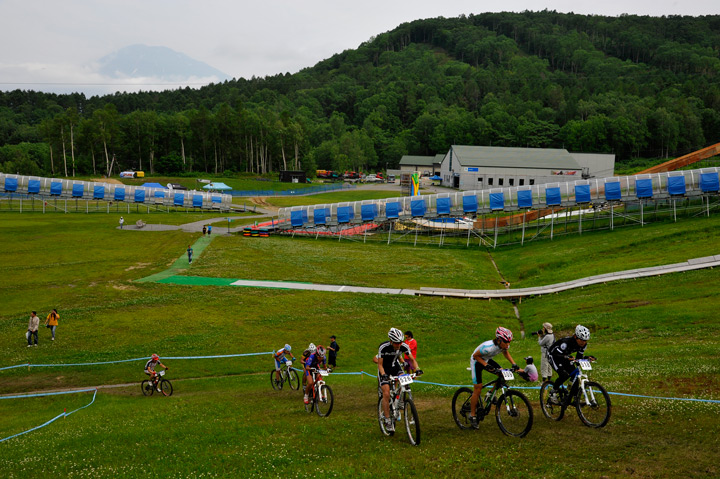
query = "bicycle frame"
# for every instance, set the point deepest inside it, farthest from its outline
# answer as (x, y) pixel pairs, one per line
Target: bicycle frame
(319, 382)
(580, 376)
(399, 389)
(499, 384)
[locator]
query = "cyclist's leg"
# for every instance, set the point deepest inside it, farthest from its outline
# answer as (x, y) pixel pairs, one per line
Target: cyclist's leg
(310, 382)
(385, 388)
(277, 369)
(476, 369)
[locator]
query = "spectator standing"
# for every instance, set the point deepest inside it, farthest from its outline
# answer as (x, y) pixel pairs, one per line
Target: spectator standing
(204, 230)
(209, 229)
(122, 222)
(545, 339)
(52, 322)
(33, 326)
(410, 341)
(189, 252)
(333, 349)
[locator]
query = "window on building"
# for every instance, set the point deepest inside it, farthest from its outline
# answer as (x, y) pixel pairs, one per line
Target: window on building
(480, 180)
(522, 181)
(500, 181)
(512, 181)
(490, 181)
(532, 182)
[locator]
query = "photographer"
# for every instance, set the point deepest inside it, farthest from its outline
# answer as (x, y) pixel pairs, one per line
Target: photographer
(545, 339)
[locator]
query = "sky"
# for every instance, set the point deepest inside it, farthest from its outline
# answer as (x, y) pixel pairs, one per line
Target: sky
(53, 46)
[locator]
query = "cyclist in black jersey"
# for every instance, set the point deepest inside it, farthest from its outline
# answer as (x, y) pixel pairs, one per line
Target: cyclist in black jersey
(389, 357)
(150, 369)
(561, 359)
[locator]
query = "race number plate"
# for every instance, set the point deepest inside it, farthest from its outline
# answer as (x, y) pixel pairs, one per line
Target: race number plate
(508, 375)
(585, 365)
(161, 373)
(323, 372)
(405, 379)
(288, 363)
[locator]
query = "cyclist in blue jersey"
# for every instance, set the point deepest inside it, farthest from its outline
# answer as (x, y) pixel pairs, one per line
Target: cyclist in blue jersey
(482, 359)
(280, 358)
(150, 369)
(316, 360)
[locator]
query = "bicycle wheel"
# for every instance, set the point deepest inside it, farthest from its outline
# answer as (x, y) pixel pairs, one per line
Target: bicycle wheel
(381, 419)
(276, 385)
(595, 412)
(147, 387)
(514, 413)
(461, 407)
(324, 401)
(166, 387)
(412, 422)
(550, 410)
(293, 379)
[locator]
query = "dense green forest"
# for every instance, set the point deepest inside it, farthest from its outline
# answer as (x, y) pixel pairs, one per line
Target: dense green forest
(631, 85)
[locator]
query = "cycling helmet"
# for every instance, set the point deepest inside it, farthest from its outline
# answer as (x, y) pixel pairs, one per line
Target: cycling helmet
(504, 334)
(582, 332)
(155, 357)
(321, 351)
(312, 348)
(288, 348)
(395, 335)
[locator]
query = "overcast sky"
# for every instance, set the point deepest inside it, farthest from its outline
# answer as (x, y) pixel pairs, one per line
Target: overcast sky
(51, 45)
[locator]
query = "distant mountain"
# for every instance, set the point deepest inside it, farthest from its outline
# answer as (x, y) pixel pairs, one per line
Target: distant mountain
(155, 62)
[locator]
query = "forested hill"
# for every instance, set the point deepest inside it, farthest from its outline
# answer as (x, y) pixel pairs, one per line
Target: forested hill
(635, 86)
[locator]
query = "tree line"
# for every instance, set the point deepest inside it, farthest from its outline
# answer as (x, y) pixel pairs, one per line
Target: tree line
(639, 87)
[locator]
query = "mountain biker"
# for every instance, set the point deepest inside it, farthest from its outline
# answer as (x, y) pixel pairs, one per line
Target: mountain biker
(389, 356)
(150, 368)
(482, 359)
(280, 358)
(316, 360)
(561, 361)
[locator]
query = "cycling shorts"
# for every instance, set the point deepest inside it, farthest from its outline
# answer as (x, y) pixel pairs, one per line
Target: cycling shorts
(477, 369)
(283, 360)
(392, 372)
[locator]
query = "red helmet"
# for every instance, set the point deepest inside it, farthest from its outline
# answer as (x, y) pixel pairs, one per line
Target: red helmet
(155, 357)
(504, 334)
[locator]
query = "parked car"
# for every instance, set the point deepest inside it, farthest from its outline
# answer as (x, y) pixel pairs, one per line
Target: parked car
(372, 179)
(391, 179)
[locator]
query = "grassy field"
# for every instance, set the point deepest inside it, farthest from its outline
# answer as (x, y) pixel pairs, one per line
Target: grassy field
(656, 336)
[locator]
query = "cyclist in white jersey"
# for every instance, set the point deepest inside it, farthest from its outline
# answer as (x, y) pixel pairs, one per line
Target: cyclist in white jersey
(150, 368)
(482, 358)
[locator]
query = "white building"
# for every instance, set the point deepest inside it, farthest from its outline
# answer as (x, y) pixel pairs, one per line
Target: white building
(482, 167)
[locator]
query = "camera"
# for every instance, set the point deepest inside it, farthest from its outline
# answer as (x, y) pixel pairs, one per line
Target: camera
(535, 333)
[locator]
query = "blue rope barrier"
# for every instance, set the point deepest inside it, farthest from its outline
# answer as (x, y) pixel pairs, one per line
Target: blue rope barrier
(28, 365)
(47, 394)
(64, 414)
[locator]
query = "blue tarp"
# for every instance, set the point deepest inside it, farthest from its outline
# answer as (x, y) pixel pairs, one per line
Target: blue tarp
(417, 208)
(436, 177)
(368, 212)
(524, 198)
(392, 210)
(343, 214)
(33, 186)
(676, 185)
(159, 194)
(11, 184)
(139, 196)
(98, 192)
(78, 190)
(319, 216)
(119, 194)
(154, 185)
(552, 196)
(470, 204)
(179, 199)
(497, 201)
(709, 182)
(217, 186)
(612, 191)
(296, 218)
(197, 201)
(582, 193)
(643, 188)
(443, 205)
(216, 199)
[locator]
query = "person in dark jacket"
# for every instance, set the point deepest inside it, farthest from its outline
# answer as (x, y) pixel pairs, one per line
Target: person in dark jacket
(333, 349)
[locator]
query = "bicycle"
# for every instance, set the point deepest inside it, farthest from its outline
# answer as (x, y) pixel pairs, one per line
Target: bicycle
(591, 400)
(322, 399)
(287, 374)
(164, 385)
(402, 407)
(513, 412)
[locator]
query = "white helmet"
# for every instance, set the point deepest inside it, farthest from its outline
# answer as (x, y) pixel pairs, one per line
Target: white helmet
(288, 348)
(395, 335)
(582, 332)
(321, 351)
(312, 348)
